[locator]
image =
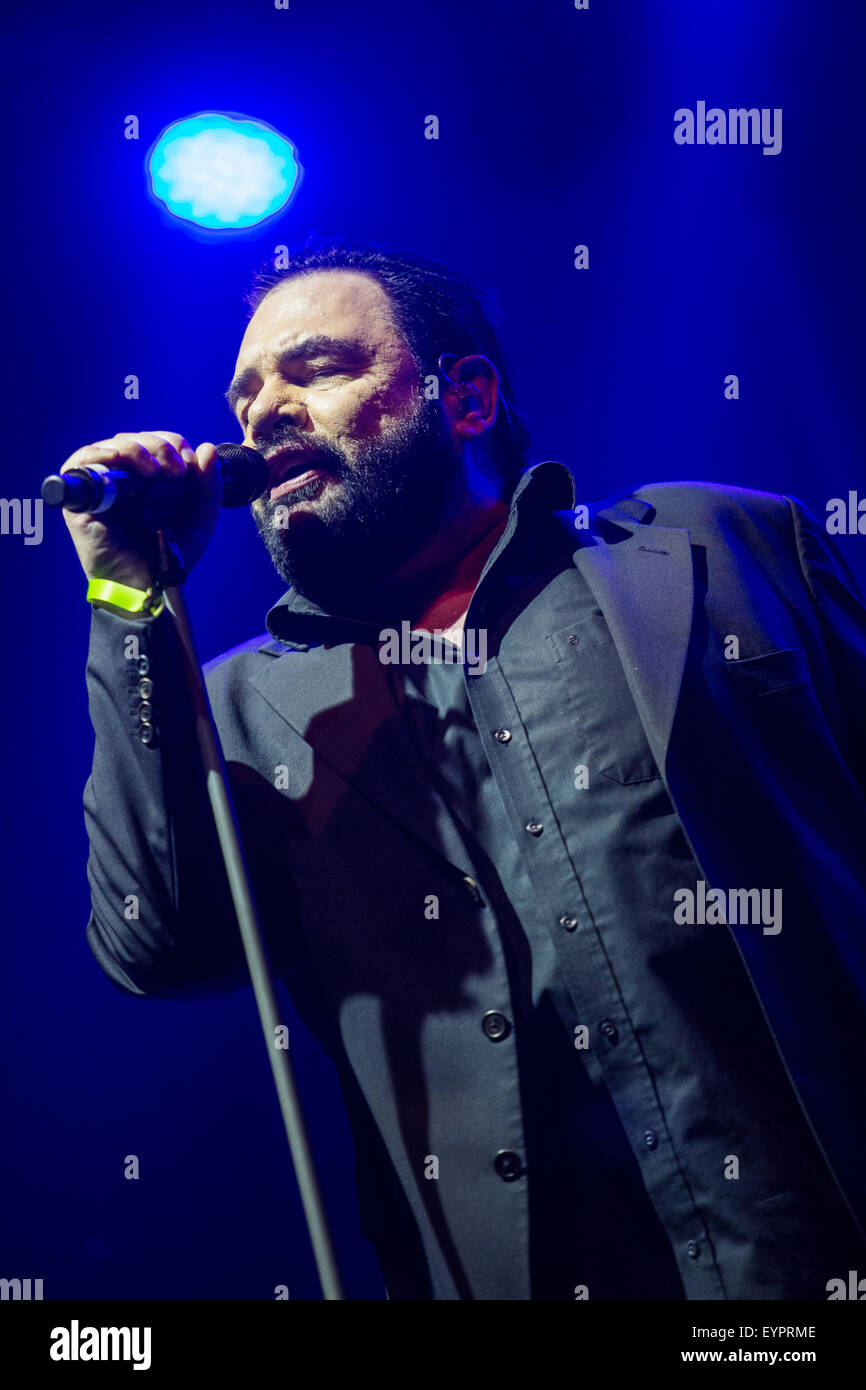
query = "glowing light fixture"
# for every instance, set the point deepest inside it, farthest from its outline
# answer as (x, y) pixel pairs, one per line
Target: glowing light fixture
(223, 171)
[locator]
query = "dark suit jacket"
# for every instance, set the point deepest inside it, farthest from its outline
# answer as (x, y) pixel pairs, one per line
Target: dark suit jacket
(764, 756)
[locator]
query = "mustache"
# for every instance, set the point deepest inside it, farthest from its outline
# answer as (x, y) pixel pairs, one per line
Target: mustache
(280, 439)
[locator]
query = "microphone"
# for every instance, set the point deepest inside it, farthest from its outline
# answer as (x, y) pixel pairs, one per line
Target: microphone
(96, 488)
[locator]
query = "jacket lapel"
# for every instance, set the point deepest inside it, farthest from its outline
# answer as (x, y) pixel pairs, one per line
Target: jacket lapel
(644, 586)
(339, 700)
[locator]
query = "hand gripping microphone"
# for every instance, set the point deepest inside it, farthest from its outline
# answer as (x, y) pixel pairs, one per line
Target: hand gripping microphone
(96, 488)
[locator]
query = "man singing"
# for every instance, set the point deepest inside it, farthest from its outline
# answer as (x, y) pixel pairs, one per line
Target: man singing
(554, 813)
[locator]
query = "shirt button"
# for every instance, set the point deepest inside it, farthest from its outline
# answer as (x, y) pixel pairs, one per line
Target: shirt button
(650, 1139)
(495, 1025)
(693, 1250)
(472, 889)
(508, 1165)
(502, 735)
(145, 688)
(608, 1030)
(568, 922)
(534, 827)
(143, 665)
(145, 710)
(145, 733)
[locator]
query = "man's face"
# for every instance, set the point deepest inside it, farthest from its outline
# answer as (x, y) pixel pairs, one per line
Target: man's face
(363, 469)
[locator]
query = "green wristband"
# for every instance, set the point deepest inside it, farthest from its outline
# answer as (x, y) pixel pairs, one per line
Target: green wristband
(149, 602)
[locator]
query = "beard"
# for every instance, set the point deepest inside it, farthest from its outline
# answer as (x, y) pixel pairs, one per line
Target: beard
(393, 493)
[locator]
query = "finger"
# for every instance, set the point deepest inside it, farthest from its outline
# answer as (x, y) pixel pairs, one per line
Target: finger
(179, 444)
(207, 457)
(159, 448)
(207, 463)
(128, 454)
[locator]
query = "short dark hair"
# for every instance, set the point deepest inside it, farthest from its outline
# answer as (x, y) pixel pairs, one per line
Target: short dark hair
(437, 309)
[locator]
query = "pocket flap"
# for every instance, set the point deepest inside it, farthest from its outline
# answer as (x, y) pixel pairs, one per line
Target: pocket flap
(761, 675)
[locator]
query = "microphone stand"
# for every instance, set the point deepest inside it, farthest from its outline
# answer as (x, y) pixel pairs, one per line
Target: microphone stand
(171, 579)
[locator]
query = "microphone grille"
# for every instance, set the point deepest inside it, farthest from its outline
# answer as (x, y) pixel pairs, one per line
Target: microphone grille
(244, 472)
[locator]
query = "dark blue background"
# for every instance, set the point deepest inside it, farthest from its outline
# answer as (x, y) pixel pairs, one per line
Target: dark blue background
(556, 128)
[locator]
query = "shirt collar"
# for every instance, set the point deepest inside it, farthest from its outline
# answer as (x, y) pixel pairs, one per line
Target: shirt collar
(297, 622)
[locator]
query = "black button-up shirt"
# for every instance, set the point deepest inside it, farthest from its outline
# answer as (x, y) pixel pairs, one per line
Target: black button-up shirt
(642, 1097)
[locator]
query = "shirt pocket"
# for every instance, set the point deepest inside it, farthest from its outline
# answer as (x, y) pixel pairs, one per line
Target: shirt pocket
(607, 734)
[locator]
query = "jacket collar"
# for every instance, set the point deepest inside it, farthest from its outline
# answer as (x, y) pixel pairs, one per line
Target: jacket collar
(296, 622)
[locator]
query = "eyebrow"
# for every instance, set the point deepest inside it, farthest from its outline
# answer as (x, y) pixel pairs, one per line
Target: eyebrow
(317, 345)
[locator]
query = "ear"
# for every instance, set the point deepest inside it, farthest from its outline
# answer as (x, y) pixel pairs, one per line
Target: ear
(471, 395)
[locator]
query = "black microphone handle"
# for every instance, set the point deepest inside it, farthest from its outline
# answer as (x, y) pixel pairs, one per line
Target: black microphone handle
(97, 488)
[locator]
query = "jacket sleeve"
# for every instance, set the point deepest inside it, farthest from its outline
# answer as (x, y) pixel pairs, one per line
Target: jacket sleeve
(162, 921)
(841, 611)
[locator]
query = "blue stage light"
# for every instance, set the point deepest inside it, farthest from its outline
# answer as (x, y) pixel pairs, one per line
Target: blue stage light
(223, 171)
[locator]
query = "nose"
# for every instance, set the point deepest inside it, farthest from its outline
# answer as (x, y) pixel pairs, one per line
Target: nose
(270, 406)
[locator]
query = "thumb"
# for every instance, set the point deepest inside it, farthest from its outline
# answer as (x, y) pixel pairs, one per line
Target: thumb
(207, 463)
